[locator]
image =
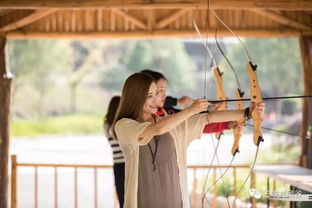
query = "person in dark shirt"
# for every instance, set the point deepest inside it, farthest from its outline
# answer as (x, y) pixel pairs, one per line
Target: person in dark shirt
(118, 157)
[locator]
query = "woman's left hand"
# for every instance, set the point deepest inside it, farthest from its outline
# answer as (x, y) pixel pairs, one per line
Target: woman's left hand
(236, 124)
(257, 108)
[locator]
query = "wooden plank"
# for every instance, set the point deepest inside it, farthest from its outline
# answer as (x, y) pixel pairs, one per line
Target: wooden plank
(281, 19)
(72, 21)
(141, 4)
(112, 20)
(289, 174)
(110, 166)
(189, 33)
(190, 19)
(66, 21)
(151, 20)
(131, 18)
(4, 12)
(5, 97)
(99, 20)
(169, 19)
(25, 20)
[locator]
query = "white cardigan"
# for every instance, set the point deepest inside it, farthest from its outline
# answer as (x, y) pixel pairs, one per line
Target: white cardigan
(127, 131)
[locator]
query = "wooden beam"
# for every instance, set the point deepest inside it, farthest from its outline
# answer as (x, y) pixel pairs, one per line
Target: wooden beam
(173, 4)
(281, 19)
(5, 97)
(154, 34)
(132, 19)
(169, 19)
(24, 20)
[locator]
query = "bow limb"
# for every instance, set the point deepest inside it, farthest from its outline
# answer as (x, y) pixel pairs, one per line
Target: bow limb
(237, 131)
(220, 92)
(219, 87)
(204, 43)
(256, 97)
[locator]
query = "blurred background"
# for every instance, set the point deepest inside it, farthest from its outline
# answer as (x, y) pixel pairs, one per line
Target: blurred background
(62, 88)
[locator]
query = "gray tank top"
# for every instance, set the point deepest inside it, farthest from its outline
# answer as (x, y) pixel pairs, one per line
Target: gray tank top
(160, 187)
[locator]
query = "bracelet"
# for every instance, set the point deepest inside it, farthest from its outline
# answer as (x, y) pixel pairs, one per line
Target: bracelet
(247, 113)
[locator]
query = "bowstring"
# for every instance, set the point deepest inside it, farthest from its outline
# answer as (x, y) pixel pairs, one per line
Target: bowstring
(249, 59)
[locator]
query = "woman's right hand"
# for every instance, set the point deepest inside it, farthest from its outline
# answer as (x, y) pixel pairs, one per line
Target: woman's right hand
(184, 101)
(198, 106)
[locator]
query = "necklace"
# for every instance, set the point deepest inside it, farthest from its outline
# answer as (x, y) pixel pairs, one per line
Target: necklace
(154, 153)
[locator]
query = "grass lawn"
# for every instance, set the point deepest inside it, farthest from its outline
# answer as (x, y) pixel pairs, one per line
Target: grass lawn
(68, 124)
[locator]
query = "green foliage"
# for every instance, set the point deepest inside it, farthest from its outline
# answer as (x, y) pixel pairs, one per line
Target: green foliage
(226, 188)
(141, 57)
(41, 60)
(114, 79)
(279, 65)
(70, 124)
(55, 77)
(37, 65)
(166, 56)
(280, 154)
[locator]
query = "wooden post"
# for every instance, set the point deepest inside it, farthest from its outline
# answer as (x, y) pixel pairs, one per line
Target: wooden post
(268, 190)
(274, 202)
(215, 190)
(306, 144)
(253, 186)
(13, 181)
(195, 198)
(235, 182)
(5, 97)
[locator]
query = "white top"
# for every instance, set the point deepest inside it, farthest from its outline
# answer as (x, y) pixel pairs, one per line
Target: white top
(117, 153)
(128, 130)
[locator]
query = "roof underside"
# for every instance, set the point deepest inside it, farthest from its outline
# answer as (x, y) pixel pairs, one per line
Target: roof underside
(146, 19)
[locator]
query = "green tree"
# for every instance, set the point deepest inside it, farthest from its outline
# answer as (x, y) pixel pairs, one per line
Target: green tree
(87, 56)
(166, 56)
(279, 67)
(38, 62)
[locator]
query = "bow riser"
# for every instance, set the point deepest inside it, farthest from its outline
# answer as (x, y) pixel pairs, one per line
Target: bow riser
(256, 97)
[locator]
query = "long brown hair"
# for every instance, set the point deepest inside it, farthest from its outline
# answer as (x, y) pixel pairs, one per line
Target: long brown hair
(156, 75)
(111, 112)
(133, 97)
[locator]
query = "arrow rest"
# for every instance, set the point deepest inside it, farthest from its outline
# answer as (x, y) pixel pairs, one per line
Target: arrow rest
(260, 139)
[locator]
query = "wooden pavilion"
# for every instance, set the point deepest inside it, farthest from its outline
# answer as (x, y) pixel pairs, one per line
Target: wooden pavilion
(52, 19)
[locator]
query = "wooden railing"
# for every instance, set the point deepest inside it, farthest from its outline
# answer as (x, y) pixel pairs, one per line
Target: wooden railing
(36, 166)
(193, 170)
